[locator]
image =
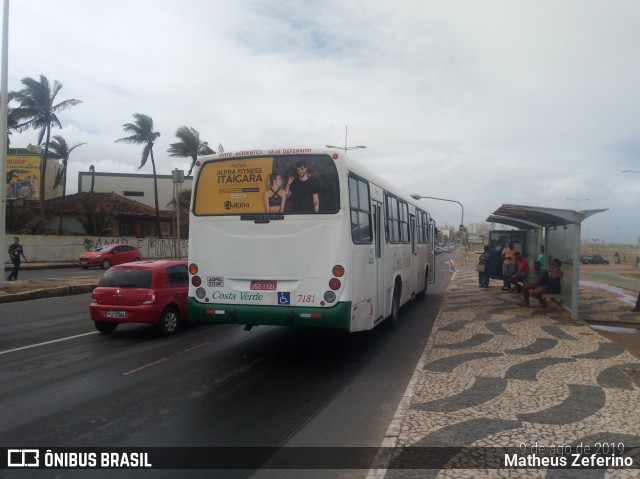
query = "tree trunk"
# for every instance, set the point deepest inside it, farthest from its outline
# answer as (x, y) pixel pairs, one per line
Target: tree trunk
(44, 172)
(64, 192)
(155, 191)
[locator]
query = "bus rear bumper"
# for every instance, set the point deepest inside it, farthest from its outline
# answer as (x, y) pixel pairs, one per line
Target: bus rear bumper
(337, 317)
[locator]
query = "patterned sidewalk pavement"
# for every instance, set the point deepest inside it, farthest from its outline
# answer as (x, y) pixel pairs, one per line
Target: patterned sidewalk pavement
(495, 375)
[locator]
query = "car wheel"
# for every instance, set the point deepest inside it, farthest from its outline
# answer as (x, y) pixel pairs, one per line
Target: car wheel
(105, 327)
(393, 319)
(106, 264)
(168, 323)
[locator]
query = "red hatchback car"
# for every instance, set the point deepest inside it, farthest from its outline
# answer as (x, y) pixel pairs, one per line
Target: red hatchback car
(109, 255)
(152, 292)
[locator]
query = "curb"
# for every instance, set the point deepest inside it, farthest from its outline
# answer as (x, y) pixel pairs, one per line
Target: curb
(40, 265)
(48, 292)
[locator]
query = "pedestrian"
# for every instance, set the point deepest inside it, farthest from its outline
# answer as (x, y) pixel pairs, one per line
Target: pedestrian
(15, 251)
(637, 308)
(540, 257)
(508, 265)
(483, 267)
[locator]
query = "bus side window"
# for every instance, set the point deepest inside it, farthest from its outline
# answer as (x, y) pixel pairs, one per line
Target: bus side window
(393, 219)
(360, 207)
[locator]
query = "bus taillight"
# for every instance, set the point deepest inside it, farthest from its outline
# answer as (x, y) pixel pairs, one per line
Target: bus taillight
(196, 281)
(193, 268)
(338, 271)
(334, 284)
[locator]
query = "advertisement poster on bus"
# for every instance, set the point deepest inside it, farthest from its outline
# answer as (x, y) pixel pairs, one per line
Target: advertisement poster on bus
(23, 177)
(269, 185)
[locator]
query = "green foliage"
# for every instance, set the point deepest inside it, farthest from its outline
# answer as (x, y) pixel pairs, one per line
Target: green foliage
(97, 221)
(22, 219)
(189, 146)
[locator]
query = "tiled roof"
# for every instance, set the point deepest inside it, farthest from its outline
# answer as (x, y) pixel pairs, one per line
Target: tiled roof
(116, 204)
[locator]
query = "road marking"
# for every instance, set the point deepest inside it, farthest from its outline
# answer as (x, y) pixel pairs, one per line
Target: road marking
(47, 342)
(162, 360)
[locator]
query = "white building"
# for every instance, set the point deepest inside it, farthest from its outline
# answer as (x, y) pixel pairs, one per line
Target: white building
(137, 187)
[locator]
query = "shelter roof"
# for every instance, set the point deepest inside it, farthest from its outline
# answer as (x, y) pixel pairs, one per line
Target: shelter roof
(536, 217)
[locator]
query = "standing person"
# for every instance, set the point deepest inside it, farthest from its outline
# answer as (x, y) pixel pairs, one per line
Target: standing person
(15, 251)
(484, 276)
(541, 257)
(303, 191)
(637, 308)
(508, 265)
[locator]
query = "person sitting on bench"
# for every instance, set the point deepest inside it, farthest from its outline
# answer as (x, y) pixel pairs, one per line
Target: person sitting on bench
(545, 283)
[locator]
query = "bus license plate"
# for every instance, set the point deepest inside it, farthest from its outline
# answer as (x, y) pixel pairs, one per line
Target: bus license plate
(116, 314)
(263, 285)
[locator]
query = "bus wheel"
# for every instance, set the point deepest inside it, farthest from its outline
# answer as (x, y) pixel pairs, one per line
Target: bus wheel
(395, 310)
(423, 294)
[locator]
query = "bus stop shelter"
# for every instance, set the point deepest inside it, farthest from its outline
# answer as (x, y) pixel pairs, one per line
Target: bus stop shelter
(560, 230)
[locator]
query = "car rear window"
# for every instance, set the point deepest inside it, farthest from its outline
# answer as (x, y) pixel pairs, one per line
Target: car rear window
(126, 278)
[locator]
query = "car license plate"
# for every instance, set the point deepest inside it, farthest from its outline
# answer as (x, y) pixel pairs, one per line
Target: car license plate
(116, 314)
(263, 285)
(84, 260)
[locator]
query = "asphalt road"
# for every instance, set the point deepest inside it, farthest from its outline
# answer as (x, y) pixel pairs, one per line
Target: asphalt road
(26, 273)
(63, 384)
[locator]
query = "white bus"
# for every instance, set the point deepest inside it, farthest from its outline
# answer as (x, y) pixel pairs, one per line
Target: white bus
(303, 237)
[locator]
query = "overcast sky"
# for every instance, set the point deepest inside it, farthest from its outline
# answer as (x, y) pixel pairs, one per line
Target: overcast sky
(484, 102)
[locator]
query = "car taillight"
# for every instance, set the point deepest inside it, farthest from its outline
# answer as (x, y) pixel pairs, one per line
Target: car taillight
(150, 298)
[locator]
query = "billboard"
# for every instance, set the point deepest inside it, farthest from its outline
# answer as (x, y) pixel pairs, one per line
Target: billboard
(281, 184)
(23, 177)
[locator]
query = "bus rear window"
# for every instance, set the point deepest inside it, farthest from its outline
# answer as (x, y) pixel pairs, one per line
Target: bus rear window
(282, 185)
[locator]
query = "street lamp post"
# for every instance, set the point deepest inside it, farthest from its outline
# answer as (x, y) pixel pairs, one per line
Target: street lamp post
(638, 257)
(4, 61)
(345, 147)
(420, 197)
(578, 200)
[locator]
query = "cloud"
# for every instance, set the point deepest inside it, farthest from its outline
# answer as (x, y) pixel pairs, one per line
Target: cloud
(491, 102)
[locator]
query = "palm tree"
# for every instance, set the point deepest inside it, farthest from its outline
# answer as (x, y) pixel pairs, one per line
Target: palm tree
(189, 146)
(143, 134)
(92, 170)
(38, 110)
(60, 150)
(12, 122)
(96, 221)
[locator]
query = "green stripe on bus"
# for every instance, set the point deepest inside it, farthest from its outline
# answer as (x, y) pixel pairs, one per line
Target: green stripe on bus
(337, 317)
